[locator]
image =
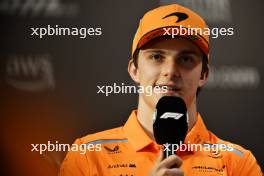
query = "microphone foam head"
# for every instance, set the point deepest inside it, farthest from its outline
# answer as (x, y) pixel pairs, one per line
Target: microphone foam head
(170, 120)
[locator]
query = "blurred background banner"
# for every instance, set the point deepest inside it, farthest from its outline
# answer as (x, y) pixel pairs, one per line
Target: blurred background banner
(49, 84)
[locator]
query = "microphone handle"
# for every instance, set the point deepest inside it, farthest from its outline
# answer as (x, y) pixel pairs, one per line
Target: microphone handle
(167, 153)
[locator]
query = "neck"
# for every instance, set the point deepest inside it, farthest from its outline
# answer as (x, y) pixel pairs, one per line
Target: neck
(145, 116)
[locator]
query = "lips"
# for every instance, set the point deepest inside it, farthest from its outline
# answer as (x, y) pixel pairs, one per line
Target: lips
(171, 88)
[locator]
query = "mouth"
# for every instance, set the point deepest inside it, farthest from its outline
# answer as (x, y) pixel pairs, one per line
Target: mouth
(170, 88)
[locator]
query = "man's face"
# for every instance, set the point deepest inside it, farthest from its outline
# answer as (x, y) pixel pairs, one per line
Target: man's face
(176, 63)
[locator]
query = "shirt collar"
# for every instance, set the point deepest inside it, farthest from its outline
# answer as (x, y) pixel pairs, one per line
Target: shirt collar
(139, 138)
(199, 133)
(135, 133)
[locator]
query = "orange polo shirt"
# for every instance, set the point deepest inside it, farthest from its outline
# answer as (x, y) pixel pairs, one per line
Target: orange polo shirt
(129, 151)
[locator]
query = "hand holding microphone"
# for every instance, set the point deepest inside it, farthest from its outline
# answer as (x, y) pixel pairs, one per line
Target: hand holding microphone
(170, 128)
(168, 166)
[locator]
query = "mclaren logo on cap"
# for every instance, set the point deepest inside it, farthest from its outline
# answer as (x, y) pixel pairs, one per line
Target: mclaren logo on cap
(173, 115)
(181, 16)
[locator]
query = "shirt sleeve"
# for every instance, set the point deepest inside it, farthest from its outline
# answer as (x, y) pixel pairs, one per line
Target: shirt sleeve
(249, 166)
(75, 163)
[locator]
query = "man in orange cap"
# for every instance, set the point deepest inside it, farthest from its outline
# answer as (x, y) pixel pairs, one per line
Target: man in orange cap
(170, 48)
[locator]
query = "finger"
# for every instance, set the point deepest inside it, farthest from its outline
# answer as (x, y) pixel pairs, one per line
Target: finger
(160, 157)
(174, 171)
(171, 161)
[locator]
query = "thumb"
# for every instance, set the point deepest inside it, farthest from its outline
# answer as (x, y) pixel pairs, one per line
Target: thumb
(160, 157)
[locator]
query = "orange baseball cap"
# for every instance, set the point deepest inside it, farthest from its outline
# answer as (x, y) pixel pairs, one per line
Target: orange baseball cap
(165, 20)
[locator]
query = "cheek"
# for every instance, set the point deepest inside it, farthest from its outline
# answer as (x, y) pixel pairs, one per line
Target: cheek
(191, 85)
(192, 80)
(148, 75)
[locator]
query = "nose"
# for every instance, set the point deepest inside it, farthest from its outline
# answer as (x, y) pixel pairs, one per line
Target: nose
(170, 68)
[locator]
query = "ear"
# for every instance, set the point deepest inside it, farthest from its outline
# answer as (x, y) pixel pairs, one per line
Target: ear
(204, 77)
(133, 71)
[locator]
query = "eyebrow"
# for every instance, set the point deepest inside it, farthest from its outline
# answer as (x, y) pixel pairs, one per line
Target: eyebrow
(154, 51)
(160, 51)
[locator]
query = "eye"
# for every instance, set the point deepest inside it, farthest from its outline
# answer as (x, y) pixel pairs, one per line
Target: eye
(156, 57)
(187, 61)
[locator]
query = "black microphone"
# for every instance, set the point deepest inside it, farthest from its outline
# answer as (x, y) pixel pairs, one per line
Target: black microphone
(170, 123)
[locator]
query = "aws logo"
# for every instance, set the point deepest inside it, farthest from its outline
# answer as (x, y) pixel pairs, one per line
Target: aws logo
(181, 16)
(30, 73)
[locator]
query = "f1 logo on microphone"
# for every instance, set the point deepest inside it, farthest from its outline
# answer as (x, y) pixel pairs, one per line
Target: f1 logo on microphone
(173, 115)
